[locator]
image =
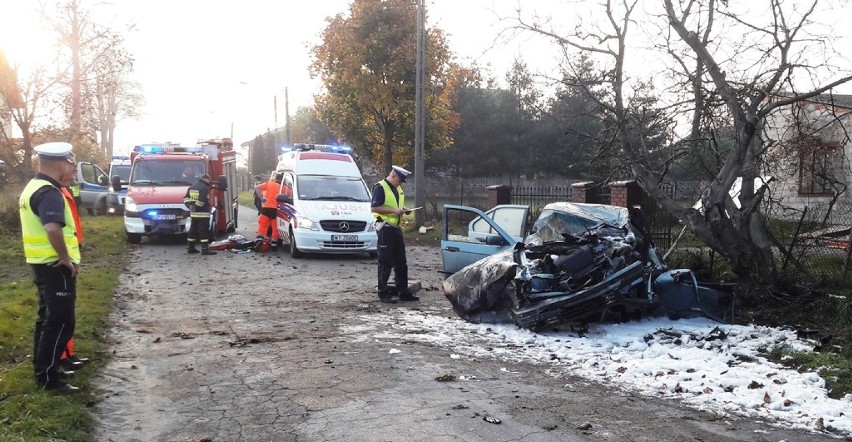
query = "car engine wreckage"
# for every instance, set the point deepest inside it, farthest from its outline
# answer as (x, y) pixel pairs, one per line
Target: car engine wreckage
(582, 263)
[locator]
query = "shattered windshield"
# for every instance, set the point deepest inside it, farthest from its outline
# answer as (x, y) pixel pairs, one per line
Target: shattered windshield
(558, 219)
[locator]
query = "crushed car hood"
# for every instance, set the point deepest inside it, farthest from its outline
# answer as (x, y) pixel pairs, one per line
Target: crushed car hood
(581, 263)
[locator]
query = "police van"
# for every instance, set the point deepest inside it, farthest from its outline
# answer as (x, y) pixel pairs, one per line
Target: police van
(119, 170)
(324, 204)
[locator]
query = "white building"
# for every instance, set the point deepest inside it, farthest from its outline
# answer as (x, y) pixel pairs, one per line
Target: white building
(809, 155)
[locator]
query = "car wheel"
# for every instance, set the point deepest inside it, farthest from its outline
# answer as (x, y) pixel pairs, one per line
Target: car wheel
(134, 238)
(373, 255)
(294, 250)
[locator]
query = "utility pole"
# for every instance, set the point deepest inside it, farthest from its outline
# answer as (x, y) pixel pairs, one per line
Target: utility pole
(419, 117)
(275, 131)
(287, 116)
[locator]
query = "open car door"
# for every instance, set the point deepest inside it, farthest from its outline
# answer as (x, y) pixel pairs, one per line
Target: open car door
(470, 234)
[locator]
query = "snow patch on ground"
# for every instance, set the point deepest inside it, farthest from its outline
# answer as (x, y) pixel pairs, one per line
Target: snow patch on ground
(713, 367)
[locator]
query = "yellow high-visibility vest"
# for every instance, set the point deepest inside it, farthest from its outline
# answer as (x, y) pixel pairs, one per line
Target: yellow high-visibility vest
(392, 202)
(37, 248)
(75, 189)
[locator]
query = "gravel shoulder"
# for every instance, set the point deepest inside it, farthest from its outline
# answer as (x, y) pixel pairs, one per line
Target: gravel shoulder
(263, 347)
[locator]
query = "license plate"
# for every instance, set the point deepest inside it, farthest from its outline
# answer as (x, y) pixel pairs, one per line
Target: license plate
(168, 216)
(344, 237)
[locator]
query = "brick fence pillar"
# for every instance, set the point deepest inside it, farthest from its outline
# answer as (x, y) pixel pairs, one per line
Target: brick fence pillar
(499, 194)
(581, 192)
(626, 194)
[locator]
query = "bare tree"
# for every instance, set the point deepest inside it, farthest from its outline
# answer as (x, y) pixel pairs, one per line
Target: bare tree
(739, 69)
(26, 105)
(110, 94)
(100, 93)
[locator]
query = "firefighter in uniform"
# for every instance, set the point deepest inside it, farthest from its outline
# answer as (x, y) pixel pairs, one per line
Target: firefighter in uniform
(52, 250)
(388, 206)
(268, 191)
(197, 201)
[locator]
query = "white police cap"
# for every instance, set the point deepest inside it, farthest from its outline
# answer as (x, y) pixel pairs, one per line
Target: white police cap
(402, 173)
(53, 151)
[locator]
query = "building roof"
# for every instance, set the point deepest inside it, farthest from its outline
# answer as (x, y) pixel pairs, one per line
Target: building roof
(839, 100)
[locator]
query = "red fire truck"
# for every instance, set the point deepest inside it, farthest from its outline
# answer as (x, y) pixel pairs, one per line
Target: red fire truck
(159, 177)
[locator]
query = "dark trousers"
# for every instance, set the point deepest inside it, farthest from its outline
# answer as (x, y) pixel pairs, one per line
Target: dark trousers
(391, 256)
(54, 326)
(199, 229)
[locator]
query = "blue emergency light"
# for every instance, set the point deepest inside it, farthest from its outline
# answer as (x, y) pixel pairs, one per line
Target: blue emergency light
(149, 148)
(319, 147)
(163, 148)
(341, 149)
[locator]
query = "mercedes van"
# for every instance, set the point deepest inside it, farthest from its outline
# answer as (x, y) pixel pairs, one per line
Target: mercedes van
(324, 204)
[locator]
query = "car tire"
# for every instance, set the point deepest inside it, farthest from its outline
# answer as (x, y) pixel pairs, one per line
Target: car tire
(294, 249)
(373, 255)
(134, 238)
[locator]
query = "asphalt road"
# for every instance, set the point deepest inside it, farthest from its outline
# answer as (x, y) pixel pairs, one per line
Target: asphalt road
(263, 347)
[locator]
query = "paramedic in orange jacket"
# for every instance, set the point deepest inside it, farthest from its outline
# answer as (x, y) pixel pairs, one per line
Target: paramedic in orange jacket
(269, 209)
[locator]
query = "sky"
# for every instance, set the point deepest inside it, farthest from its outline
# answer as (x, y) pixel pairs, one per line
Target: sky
(702, 364)
(216, 68)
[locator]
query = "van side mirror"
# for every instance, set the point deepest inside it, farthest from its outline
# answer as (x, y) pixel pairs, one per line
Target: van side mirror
(282, 198)
(103, 180)
(115, 183)
(223, 182)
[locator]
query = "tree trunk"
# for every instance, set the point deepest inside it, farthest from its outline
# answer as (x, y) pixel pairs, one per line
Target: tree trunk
(387, 148)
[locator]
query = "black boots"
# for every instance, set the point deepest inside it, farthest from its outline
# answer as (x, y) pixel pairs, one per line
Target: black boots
(406, 296)
(204, 250)
(386, 297)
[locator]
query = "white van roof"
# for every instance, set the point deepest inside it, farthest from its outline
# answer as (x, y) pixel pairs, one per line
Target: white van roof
(318, 163)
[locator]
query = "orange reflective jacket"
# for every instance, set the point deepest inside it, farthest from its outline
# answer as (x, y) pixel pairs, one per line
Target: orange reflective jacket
(69, 199)
(269, 190)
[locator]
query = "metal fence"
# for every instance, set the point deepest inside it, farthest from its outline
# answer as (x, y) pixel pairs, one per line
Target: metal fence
(538, 196)
(817, 237)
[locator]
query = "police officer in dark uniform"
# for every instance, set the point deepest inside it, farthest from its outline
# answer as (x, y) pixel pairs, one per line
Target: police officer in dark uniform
(197, 200)
(388, 206)
(52, 250)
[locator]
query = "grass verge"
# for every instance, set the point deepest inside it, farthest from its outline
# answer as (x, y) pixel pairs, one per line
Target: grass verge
(27, 414)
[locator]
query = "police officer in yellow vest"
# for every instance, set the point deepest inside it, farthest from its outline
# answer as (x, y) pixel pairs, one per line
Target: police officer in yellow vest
(388, 207)
(51, 249)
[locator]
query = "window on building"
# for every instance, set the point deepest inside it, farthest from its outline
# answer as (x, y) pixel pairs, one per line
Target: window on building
(815, 168)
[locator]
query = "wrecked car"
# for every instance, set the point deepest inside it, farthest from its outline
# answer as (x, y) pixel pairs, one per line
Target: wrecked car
(580, 263)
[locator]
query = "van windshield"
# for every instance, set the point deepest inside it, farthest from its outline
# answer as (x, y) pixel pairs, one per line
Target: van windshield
(153, 172)
(331, 188)
(123, 172)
